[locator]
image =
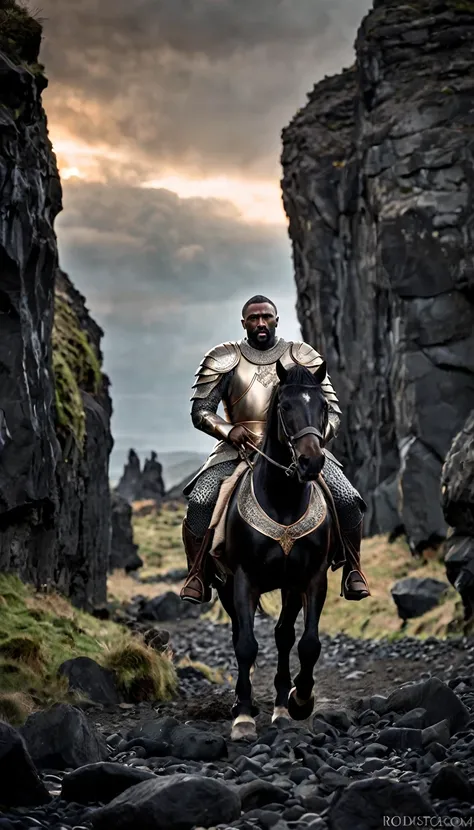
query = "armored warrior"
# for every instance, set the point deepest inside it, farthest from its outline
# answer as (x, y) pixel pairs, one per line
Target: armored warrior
(242, 375)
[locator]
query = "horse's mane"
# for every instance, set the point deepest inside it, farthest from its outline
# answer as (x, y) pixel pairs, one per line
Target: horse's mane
(300, 375)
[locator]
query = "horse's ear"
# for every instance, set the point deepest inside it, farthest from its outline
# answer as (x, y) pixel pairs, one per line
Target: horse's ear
(281, 372)
(320, 373)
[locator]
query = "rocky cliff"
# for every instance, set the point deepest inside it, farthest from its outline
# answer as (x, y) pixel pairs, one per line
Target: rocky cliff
(378, 185)
(54, 404)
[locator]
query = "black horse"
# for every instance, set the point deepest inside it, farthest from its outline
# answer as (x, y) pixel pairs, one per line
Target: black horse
(282, 491)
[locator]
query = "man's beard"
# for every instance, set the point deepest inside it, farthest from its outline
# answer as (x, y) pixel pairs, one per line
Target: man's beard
(262, 344)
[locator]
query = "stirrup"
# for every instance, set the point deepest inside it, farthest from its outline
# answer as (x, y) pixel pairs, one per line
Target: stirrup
(361, 593)
(201, 596)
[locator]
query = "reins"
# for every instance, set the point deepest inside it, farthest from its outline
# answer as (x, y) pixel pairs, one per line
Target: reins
(290, 439)
(288, 470)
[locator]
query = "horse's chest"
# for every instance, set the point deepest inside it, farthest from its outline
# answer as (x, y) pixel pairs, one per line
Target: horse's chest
(286, 535)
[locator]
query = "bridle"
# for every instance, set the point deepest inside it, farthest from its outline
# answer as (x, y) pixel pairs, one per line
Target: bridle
(289, 440)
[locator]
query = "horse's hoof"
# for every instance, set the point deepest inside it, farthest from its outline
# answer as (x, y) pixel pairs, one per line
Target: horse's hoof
(281, 716)
(299, 709)
(243, 729)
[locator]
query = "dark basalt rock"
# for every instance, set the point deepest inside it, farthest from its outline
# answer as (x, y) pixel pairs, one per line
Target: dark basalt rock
(414, 597)
(457, 498)
(55, 436)
(378, 188)
(363, 805)
(101, 782)
(176, 802)
(20, 784)
(123, 550)
(86, 676)
(63, 737)
(142, 485)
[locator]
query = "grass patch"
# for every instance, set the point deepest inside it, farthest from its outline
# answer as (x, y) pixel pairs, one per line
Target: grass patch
(213, 675)
(20, 34)
(15, 707)
(161, 548)
(76, 367)
(141, 672)
(158, 536)
(38, 632)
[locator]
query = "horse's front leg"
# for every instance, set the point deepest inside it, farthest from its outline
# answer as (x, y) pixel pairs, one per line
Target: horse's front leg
(285, 640)
(301, 699)
(246, 648)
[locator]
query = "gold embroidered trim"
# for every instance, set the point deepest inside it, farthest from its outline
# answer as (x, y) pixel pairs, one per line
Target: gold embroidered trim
(286, 535)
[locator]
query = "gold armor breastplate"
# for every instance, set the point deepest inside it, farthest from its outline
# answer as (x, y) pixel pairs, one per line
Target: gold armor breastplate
(252, 386)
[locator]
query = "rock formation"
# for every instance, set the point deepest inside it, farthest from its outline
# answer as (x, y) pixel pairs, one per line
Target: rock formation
(378, 187)
(54, 405)
(123, 550)
(152, 486)
(457, 489)
(142, 485)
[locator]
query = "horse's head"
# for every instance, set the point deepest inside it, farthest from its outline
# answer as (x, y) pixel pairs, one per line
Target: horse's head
(303, 417)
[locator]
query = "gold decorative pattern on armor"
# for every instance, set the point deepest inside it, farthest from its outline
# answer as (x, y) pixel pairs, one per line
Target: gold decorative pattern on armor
(263, 356)
(286, 535)
(267, 376)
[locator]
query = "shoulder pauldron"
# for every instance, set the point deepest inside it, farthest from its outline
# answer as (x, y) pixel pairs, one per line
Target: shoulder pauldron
(218, 361)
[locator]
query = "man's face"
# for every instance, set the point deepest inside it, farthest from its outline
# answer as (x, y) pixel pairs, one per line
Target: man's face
(260, 322)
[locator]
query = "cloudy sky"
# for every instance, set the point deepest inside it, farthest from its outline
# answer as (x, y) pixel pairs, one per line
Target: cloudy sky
(166, 118)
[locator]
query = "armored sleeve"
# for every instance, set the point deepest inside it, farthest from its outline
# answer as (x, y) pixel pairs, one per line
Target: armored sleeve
(213, 375)
(305, 355)
(204, 411)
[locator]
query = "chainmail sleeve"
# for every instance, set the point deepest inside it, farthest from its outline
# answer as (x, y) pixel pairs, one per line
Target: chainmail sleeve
(204, 410)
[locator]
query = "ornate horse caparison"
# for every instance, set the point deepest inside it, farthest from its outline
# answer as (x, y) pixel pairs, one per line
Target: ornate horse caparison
(279, 535)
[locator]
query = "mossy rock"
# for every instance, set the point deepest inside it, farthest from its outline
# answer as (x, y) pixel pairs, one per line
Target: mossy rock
(142, 673)
(76, 368)
(20, 34)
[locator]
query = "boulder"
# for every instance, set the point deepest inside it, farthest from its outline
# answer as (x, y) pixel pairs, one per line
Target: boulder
(414, 597)
(101, 782)
(20, 784)
(439, 701)
(181, 741)
(63, 737)
(364, 805)
(167, 607)
(457, 499)
(123, 550)
(175, 802)
(86, 676)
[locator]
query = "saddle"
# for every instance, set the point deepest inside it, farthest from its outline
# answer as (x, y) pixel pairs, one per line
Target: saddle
(320, 501)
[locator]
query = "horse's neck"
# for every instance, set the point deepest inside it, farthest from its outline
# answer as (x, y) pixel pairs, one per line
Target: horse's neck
(283, 497)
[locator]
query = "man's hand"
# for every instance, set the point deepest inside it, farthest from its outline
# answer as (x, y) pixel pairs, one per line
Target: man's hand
(239, 436)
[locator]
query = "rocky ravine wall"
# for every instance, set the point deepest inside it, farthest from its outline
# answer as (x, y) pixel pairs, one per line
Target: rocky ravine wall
(378, 187)
(54, 437)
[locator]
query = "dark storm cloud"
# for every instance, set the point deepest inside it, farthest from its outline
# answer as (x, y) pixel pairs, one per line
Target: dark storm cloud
(192, 82)
(152, 241)
(166, 278)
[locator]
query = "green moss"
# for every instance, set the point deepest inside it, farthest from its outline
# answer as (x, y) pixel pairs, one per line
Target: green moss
(76, 367)
(141, 672)
(20, 33)
(462, 5)
(38, 632)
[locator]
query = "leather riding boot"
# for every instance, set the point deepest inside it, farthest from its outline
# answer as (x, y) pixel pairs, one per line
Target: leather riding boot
(354, 583)
(196, 588)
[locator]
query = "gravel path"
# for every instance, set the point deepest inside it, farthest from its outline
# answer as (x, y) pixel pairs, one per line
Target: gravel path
(392, 736)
